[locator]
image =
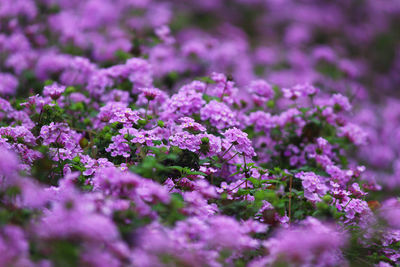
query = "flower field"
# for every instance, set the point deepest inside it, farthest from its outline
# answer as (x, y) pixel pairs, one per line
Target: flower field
(205, 133)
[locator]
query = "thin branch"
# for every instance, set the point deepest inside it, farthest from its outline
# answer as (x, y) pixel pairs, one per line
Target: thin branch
(290, 197)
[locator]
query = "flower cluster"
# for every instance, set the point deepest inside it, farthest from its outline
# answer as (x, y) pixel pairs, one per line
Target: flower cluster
(239, 141)
(173, 133)
(219, 115)
(314, 188)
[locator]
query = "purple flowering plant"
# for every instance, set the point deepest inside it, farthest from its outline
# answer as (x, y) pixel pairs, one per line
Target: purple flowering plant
(199, 133)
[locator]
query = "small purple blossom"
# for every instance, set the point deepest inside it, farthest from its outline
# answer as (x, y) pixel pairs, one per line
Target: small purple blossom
(151, 93)
(54, 91)
(191, 125)
(314, 187)
(340, 102)
(312, 242)
(185, 140)
(239, 140)
(354, 133)
(219, 115)
(8, 84)
(261, 91)
(299, 90)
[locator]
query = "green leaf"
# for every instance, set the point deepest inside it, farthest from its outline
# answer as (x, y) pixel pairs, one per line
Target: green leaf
(157, 142)
(196, 173)
(122, 55)
(254, 181)
(179, 168)
(206, 80)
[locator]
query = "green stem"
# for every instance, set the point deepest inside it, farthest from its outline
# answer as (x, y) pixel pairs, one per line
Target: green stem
(236, 186)
(147, 108)
(176, 183)
(227, 151)
(347, 203)
(290, 197)
(245, 171)
(230, 158)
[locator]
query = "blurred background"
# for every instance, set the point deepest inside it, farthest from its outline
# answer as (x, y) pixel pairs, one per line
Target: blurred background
(351, 47)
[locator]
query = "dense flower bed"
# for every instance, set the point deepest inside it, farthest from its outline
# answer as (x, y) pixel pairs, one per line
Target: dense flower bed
(199, 133)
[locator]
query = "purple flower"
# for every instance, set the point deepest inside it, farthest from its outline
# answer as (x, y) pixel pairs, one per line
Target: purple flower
(119, 147)
(78, 71)
(76, 217)
(164, 33)
(66, 140)
(219, 115)
(223, 87)
(116, 96)
(262, 121)
(18, 132)
(107, 112)
(93, 165)
(261, 91)
(225, 232)
(185, 102)
(8, 84)
(99, 81)
(113, 182)
(78, 97)
(14, 247)
(310, 243)
(354, 207)
(390, 211)
(151, 93)
(313, 185)
(126, 116)
(54, 91)
(191, 125)
(8, 166)
(239, 140)
(185, 140)
(299, 90)
(338, 175)
(139, 72)
(212, 144)
(356, 190)
(340, 102)
(354, 133)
